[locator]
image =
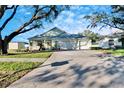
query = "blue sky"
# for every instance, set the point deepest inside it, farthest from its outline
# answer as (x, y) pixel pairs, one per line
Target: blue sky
(70, 20)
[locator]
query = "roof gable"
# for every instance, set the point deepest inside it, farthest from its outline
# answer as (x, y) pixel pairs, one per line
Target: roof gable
(53, 32)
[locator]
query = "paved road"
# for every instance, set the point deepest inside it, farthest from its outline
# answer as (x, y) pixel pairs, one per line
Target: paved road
(71, 69)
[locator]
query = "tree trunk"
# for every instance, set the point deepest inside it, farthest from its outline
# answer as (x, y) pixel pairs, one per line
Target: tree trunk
(6, 41)
(4, 47)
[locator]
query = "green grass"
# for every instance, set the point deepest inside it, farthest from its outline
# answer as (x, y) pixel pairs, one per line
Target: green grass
(16, 66)
(119, 52)
(27, 55)
(12, 71)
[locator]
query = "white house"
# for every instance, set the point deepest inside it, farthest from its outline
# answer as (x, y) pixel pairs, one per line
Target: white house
(56, 39)
(105, 43)
(117, 39)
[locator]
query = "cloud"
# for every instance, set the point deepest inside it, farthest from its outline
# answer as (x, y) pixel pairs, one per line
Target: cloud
(69, 21)
(22, 9)
(28, 13)
(68, 13)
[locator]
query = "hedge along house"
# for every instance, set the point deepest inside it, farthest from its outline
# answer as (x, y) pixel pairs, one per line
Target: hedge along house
(56, 39)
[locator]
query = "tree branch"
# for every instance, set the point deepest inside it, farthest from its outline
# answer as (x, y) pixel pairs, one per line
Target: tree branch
(2, 10)
(7, 20)
(29, 22)
(34, 17)
(10, 7)
(114, 26)
(26, 30)
(11, 36)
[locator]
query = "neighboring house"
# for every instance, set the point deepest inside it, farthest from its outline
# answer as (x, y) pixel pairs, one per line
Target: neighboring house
(56, 39)
(107, 41)
(117, 39)
(17, 45)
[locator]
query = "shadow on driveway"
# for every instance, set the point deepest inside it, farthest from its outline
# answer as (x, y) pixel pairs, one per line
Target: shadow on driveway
(102, 76)
(72, 73)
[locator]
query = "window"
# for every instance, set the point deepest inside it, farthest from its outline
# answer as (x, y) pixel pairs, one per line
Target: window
(111, 42)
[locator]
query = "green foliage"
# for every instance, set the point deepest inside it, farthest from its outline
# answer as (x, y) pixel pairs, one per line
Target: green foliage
(12, 71)
(16, 66)
(50, 11)
(91, 35)
(119, 52)
(114, 19)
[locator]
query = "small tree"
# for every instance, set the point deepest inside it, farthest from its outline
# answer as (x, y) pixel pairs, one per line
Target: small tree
(91, 35)
(39, 13)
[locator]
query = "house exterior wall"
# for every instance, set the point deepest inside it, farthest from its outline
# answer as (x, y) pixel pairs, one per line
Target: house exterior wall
(21, 45)
(34, 45)
(85, 44)
(57, 39)
(67, 44)
(13, 46)
(71, 44)
(48, 44)
(117, 43)
(63, 44)
(105, 43)
(16, 45)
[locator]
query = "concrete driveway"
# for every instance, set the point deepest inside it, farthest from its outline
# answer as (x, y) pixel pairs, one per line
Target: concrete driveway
(70, 69)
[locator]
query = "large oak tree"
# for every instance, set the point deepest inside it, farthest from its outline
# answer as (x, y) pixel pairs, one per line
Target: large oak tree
(39, 13)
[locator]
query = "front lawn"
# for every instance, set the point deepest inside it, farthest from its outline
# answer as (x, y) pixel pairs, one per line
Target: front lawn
(27, 55)
(12, 71)
(119, 52)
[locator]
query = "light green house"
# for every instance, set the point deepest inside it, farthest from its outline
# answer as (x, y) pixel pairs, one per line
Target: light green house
(57, 39)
